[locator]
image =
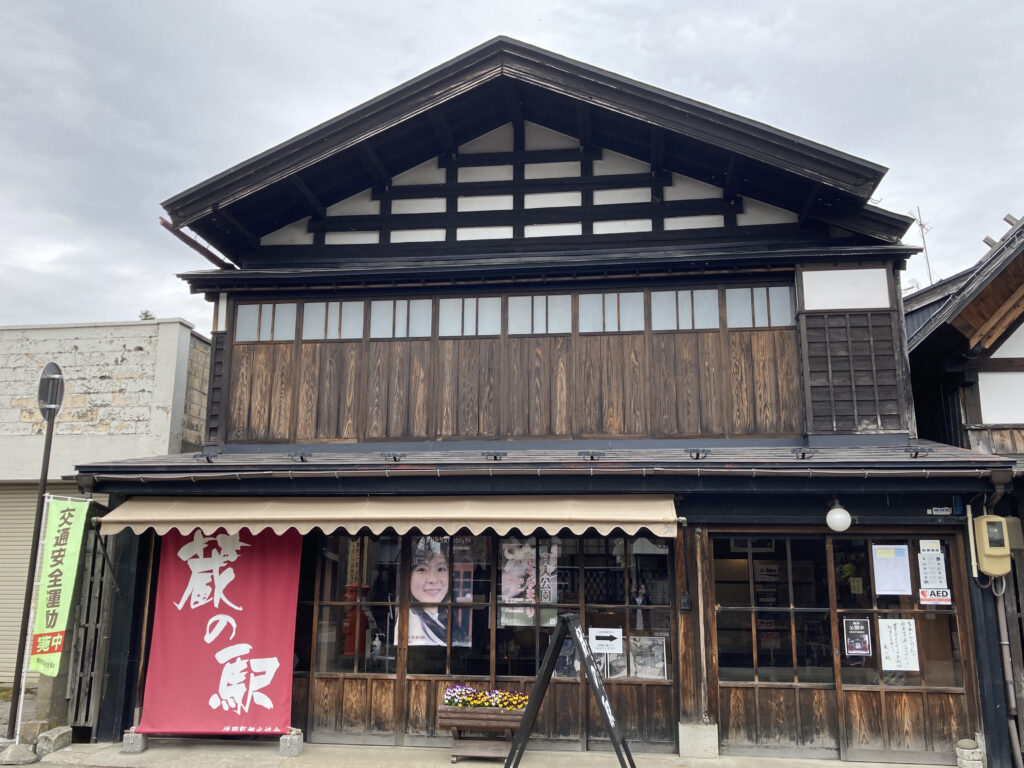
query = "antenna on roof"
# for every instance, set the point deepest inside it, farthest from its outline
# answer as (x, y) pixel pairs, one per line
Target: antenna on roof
(924, 244)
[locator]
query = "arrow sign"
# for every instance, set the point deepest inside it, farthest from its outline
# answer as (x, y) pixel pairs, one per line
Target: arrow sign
(605, 639)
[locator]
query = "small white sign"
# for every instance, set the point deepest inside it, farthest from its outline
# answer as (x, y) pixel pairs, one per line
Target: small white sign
(892, 569)
(930, 565)
(605, 639)
(898, 640)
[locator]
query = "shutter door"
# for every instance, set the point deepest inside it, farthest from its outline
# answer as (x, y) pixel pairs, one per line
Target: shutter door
(17, 515)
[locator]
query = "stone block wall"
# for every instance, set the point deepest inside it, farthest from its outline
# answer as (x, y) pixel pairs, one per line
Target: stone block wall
(130, 390)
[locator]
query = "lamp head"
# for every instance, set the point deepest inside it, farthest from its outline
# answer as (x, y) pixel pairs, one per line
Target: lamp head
(838, 518)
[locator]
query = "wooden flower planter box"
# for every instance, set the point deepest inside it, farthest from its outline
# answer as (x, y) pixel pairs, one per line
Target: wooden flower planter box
(479, 720)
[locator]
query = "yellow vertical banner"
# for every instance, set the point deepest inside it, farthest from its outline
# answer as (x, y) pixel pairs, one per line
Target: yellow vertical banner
(58, 566)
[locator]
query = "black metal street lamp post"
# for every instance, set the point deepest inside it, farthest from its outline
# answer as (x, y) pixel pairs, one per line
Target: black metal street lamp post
(51, 393)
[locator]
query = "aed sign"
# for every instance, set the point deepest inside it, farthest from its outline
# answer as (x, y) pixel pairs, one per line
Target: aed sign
(935, 596)
(605, 639)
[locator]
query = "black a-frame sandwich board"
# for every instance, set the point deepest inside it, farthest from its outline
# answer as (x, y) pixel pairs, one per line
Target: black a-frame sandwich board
(569, 623)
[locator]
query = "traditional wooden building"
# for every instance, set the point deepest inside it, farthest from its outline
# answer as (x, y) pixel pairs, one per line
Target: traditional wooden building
(621, 354)
(966, 342)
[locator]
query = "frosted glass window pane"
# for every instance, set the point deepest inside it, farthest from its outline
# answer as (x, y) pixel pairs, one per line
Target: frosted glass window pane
(760, 307)
(540, 314)
(382, 315)
(705, 309)
(590, 313)
(469, 317)
(420, 320)
(737, 308)
(686, 311)
(313, 316)
(266, 321)
(519, 314)
(352, 320)
(780, 300)
(284, 322)
(663, 310)
(631, 311)
(449, 320)
(559, 314)
(245, 322)
(333, 319)
(489, 316)
(401, 318)
(611, 312)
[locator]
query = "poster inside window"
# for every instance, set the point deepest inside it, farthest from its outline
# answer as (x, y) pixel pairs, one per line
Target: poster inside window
(433, 570)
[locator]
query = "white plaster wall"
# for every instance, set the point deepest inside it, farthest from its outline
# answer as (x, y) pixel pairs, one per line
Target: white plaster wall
(125, 388)
(846, 289)
(1013, 346)
(999, 392)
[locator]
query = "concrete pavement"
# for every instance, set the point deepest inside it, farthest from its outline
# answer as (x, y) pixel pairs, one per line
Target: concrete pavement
(220, 753)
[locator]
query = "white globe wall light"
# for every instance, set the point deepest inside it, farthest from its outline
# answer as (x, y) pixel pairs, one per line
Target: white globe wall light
(838, 518)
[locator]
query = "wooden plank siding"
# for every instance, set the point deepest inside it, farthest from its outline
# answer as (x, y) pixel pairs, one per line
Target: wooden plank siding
(664, 384)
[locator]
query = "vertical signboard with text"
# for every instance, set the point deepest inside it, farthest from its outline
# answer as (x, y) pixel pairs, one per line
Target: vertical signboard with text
(62, 546)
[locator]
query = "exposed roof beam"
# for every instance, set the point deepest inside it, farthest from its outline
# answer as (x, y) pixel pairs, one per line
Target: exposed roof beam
(999, 321)
(513, 101)
(733, 176)
(306, 196)
(442, 132)
(374, 166)
(250, 239)
(657, 149)
(196, 246)
(809, 201)
(583, 125)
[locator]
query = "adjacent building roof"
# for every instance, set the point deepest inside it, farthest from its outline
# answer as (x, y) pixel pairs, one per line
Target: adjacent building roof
(981, 304)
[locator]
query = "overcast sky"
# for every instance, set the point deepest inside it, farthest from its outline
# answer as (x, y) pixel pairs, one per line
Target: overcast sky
(108, 108)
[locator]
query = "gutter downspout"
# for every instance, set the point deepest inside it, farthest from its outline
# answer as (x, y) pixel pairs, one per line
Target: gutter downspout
(1000, 481)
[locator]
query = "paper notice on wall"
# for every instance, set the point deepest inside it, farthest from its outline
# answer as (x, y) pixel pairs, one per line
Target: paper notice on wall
(898, 641)
(892, 569)
(931, 567)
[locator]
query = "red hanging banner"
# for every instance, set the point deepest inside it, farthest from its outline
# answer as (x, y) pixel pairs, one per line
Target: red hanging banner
(223, 634)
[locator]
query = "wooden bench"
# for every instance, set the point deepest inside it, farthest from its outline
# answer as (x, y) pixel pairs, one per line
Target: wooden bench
(479, 720)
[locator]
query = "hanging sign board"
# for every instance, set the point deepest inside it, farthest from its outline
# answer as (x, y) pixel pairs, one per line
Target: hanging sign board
(931, 567)
(857, 637)
(62, 545)
(892, 569)
(223, 634)
(898, 641)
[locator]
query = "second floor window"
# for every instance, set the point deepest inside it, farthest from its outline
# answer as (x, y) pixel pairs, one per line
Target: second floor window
(684, 310)
(400, 318)
(539, 314)
(760, 307)
(469, 317)
(604, 312)
(265, 322)
(332, 320)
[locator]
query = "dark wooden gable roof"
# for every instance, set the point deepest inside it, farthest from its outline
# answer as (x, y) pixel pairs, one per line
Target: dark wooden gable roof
(504, 80)
(985, 308)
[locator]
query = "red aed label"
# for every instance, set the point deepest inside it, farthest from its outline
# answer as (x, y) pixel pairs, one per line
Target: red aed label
(935, 597)
(50, 642)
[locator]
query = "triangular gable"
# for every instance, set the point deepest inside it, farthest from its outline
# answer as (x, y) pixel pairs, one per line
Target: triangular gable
(506, 82)
(569, 198)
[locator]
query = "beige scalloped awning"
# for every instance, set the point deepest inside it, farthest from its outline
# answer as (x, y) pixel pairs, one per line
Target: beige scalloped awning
(656, 513)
